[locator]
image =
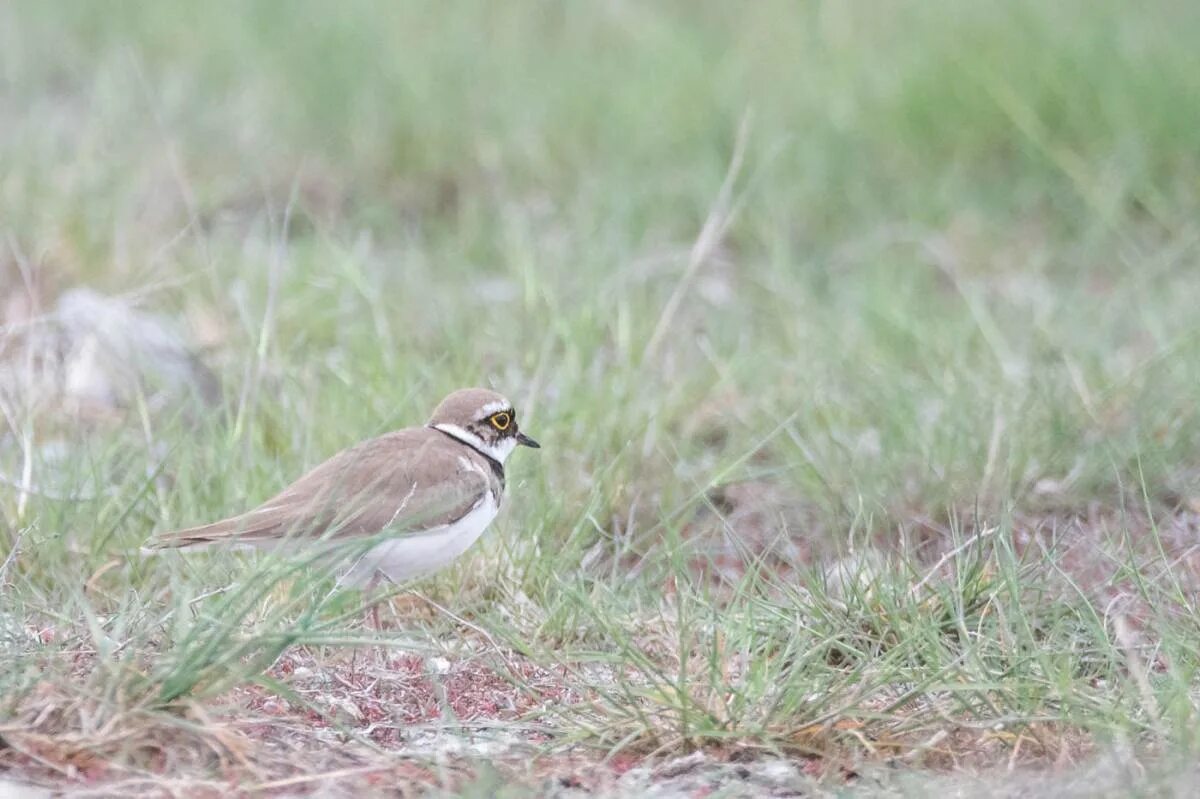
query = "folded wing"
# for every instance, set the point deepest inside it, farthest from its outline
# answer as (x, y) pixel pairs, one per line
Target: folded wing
(402, 483)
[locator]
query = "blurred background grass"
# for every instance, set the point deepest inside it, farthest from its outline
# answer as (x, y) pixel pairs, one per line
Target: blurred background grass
(951, 214)
(961, 278)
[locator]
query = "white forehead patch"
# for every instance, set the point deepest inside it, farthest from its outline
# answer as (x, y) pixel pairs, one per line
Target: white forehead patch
(493, 407)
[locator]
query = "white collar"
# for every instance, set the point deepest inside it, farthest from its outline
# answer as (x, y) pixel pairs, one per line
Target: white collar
(497, 452)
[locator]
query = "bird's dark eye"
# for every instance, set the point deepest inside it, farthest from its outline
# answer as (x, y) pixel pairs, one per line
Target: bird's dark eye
(501, 420)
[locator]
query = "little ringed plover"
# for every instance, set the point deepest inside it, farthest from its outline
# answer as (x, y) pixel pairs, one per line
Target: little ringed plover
(413, 500)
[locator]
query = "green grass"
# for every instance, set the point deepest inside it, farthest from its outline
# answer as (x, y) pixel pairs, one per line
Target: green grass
(945, 334)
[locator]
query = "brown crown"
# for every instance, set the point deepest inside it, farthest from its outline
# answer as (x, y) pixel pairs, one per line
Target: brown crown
(462, 406)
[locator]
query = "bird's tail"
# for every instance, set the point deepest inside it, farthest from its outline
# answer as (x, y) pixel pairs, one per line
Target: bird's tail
(231, 532)
(154, 547)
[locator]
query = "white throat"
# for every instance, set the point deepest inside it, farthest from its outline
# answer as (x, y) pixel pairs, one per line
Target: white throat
(498, 452)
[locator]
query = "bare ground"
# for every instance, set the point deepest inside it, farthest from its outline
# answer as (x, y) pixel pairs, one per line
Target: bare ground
(335, 721)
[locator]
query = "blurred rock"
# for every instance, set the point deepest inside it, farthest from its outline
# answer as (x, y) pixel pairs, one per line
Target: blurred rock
(855, 574)
(94, 356)
(117, 350)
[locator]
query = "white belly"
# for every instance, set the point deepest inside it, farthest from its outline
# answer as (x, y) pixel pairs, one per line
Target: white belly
(414, 554)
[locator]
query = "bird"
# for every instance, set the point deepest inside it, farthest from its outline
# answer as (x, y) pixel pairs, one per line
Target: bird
(405, 504)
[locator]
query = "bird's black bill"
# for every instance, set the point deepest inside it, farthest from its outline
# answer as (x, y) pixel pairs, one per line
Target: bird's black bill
(526, 441)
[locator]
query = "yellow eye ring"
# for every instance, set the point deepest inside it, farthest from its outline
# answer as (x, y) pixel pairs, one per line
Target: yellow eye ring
(500, 421)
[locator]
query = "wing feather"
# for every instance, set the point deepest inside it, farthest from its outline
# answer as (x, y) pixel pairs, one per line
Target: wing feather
(402, 482)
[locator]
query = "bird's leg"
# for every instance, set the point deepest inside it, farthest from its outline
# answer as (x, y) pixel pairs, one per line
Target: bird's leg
(376, 580)
(370, 620)
(373, 615)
